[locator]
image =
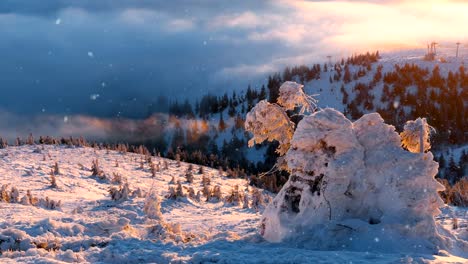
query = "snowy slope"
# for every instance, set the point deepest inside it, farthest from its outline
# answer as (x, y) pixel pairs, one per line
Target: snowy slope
(90, 227)
(329, 94)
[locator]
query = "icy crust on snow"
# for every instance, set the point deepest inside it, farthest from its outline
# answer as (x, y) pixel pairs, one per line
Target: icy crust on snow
(351, 180)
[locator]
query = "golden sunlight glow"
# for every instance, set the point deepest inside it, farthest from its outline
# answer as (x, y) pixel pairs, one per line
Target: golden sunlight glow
(391, 24)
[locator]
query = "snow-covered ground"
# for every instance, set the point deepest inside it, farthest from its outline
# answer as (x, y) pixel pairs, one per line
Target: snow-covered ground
(90, 227)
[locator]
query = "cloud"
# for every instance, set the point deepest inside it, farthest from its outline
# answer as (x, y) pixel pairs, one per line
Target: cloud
(246, 20)
(185, 49)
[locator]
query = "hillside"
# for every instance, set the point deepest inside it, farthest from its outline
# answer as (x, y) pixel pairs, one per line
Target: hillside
(88, 226)
(399, 85)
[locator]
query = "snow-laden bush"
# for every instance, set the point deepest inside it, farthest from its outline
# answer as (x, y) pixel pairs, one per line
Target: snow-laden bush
(152, 207)
(351, 182)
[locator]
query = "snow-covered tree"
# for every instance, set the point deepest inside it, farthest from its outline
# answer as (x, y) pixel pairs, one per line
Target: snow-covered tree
(415, 136)
(152, 207)
(270, 122)
(351, 182)
(292, 95)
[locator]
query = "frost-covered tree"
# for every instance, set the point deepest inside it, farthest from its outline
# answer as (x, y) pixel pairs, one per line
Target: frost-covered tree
(350, 183)
(415, 136)
(270, 122)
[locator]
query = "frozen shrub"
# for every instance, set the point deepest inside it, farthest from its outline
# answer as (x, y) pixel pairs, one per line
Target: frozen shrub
(3, 143)
(96, 170)
(180, 190)
(138, 193)
(172, 181)
(245, 202)
(174, 193)
(121, 193)
(53, 180)
(455, 195)
(201, 170)
(206, 180)
(454, 223)
(5, 195)
(31, 199)
(49, 204)
(207, 192)
(217, 193)
(166, 165)
(191, 193)
(190, 167)
(117, 178)
(153, 170)
(25, 200)
(152, 207)
(18, 142)
(189, 176)
(234, 197)
(30, 140)
(56, 169)
(14, 195)
(257, 199)
(459, 193)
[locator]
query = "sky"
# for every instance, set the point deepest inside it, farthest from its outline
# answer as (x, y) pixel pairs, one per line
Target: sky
(112, 58)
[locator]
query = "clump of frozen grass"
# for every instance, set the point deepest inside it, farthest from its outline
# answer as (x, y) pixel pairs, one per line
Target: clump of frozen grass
(96, 170)
(120, 194)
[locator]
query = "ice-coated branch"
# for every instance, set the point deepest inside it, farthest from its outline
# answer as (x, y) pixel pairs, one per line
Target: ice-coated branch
(292, 95)
(269, 122)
